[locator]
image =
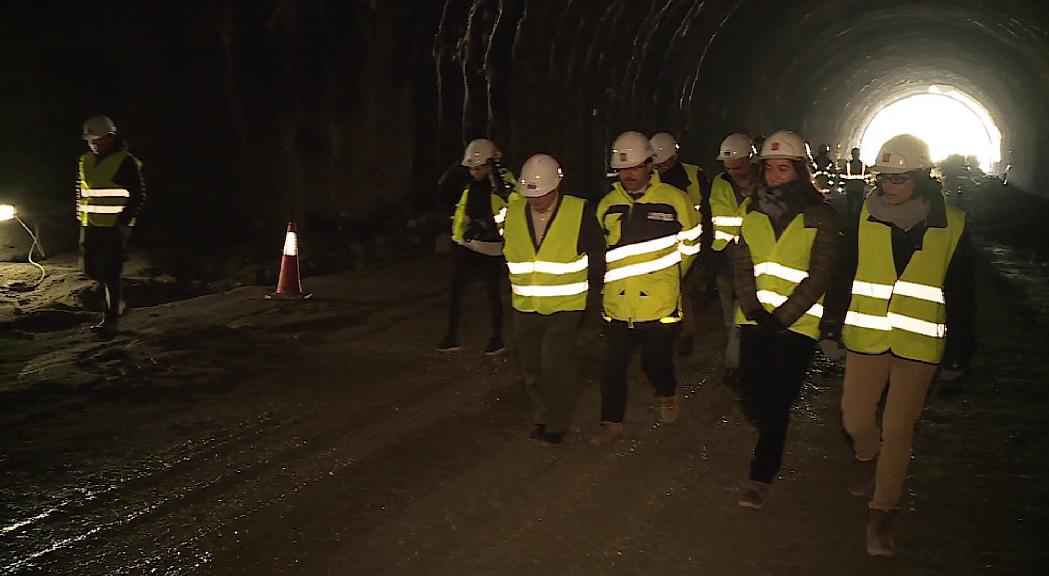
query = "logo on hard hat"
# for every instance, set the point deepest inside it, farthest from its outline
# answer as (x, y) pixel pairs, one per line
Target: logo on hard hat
(775, 146)
(622, 156)
(885, 157)
(532, 186)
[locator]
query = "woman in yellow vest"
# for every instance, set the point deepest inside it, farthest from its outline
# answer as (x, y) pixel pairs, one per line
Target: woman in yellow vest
(554, 252)
(905, 284)
(785, 260)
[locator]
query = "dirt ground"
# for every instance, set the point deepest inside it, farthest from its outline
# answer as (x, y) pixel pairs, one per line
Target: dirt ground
(230, 434)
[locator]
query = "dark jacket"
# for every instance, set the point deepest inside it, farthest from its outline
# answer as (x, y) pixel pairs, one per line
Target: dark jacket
(822, 262)
(958, 286)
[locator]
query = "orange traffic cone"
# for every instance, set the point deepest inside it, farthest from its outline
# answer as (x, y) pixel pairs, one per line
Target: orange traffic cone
(288, 285)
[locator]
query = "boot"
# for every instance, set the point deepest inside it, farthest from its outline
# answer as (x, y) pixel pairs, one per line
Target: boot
(861, 476)
(881, 533)
(754, 495)
(609, 433)
(669, 409)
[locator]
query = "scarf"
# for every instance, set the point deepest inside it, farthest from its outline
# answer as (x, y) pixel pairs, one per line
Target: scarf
(904, 216)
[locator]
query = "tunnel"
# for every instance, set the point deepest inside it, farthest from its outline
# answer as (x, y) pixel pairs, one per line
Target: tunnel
(334, 425)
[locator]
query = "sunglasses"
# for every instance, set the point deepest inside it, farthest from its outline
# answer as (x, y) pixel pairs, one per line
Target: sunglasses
(894, 178)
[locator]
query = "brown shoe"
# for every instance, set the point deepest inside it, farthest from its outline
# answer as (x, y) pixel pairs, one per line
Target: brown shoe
(754, 495)
(861, 476)
(670, 409)
(881, 533)
(609, 433)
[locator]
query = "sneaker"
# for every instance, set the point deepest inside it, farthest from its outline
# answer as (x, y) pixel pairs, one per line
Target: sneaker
(669, 409)
(754, 495)
(684, 346)
(861, 476)
(881, 533)
(449, 344)
(609, 433)
(553, 439)
(538, 432)
(494, 346)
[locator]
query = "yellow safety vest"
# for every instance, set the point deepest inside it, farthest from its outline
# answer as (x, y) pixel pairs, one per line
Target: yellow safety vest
(645, 261)
(459, 219)
(102, 200)
(779, 266)
(695, 193)
(554, 278)
(904, 314)
(726, 213)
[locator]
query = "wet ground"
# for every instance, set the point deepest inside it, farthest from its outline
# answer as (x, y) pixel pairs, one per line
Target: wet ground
(229, 434)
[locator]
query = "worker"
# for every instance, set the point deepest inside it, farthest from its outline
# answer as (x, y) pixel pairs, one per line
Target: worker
(855, 178)
(904, 306)
(825, 171)
(554, 251)
(690, 179)
(110, 192)
(652, 234)
(785, 259)
(730, 194)
(477, 233)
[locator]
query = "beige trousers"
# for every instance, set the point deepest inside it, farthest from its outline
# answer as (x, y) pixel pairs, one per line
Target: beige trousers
(865, 379)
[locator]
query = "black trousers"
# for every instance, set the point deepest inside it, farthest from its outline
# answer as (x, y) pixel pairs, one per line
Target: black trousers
(102, 249)
(771, 372)
(657, 362)
(493, 269)
(546, 348)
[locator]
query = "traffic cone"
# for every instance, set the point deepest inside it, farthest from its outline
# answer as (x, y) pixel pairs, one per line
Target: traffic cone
(288, 285)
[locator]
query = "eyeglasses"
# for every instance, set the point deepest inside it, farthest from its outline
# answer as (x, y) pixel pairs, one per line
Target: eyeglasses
(894, 178)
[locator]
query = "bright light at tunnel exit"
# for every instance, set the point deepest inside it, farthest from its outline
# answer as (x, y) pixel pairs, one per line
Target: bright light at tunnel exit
(949, 121)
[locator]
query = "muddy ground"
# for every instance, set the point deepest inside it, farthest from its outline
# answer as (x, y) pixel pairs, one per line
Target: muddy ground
(230, 434)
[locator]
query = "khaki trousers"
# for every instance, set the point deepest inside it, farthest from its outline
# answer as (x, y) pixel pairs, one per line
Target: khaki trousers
(866, 377)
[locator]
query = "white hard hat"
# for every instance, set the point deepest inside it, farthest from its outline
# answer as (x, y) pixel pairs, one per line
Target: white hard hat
(784, 144)
(736, 146)
(664, 147)
(98, 126)
(903, 153)
(630, 149)
(539, 176)
(478, 152)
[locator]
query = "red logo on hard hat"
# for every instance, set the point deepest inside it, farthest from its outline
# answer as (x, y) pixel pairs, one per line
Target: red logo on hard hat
(532, 186)
(622, 156)
(885, 157)
(775, 146)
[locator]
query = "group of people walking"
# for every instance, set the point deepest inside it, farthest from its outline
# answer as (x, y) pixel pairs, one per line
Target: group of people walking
(880, 286)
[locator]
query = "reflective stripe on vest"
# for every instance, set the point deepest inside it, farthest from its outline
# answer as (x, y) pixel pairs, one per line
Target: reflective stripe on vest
(780, 264)
(907, 314)
(459, 219)
(101, 200)
(726, 213)
(554, 278)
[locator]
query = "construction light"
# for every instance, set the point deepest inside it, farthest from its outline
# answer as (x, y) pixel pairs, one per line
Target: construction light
(7, 212)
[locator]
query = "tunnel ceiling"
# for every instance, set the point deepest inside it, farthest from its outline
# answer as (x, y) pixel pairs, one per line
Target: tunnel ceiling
(566, 77)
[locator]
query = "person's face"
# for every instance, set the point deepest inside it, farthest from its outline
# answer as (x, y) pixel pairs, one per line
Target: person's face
(479, 173)
(779, 171)
(544, 202)
(741, 170)
(635, 179)
(897, 188)
(103, 145)
(665, 165)
(855, 153)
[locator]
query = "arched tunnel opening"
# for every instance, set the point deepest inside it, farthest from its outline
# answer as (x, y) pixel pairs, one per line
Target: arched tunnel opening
(287, 370)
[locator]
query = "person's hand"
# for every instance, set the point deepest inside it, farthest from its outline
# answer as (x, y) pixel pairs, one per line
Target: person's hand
(831, 349)
(767, 323)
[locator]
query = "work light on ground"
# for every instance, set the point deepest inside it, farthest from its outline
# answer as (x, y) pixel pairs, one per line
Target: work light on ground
(7, 212)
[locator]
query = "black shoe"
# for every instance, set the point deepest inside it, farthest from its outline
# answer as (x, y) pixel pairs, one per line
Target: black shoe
(494, 346)
(449, 344)
(538, 432)
(553, 439)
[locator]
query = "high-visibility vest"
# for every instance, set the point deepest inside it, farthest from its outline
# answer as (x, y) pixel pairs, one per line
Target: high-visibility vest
(854, 182)
(102, 200)
(726, 213)
(904, 314)
(554, 278)
(499, 207)
(779, 266)
(695, 193)
(651, 242)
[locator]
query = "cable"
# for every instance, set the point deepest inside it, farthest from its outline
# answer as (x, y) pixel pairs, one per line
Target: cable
(34, 246)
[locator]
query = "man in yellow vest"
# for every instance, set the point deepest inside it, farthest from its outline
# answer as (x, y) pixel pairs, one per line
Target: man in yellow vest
(904, 306)
(110, 192)
(652, 234)
(855, 181)
(477, 231)
(729, 196)
(690, 179)
(554, 252)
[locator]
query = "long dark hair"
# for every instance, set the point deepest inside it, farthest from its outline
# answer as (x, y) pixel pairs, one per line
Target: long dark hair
(805, 185)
